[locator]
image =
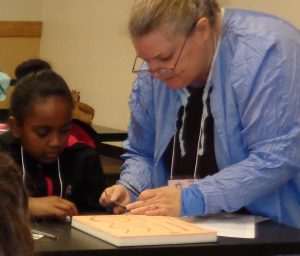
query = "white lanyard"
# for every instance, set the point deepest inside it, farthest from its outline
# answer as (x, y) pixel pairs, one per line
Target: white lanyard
(58, 170)
(200, 146)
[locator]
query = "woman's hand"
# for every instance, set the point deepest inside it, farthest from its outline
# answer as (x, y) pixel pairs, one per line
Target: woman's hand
(159, 201)
(51, 206)
(116, 193)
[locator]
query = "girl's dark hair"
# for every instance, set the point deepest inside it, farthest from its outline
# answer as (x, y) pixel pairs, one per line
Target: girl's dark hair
(41, 85)
(31, 66)
(15, 234)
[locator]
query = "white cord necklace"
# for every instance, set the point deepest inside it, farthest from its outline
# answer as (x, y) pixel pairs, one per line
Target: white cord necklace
(58, 170)
(197, 153)
(200, 146)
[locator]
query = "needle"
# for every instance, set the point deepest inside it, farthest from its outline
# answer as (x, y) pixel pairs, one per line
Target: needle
(116, 202)
(48, 235)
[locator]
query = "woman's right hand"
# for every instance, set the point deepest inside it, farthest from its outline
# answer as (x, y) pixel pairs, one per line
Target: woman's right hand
(115, 193)
(51, 206)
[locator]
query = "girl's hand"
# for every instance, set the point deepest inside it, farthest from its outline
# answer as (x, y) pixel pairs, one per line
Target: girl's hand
(51, 206)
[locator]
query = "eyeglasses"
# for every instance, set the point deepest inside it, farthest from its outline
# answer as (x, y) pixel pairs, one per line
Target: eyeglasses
(163, 71)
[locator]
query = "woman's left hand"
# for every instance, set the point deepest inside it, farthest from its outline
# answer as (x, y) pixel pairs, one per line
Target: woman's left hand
(159, 201)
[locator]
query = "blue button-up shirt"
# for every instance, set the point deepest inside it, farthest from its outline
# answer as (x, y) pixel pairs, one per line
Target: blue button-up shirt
(255, 103)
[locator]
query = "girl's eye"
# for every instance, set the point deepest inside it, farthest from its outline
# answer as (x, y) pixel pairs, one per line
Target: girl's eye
(42, 133)
(66, 130)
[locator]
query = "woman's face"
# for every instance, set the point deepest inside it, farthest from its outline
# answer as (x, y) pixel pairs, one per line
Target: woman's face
(45, 130)
(190, 55)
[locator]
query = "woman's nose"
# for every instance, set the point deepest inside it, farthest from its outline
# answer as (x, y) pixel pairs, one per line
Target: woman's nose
(155, 73)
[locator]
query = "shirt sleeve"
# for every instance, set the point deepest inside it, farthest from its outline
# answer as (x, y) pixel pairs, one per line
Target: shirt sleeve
(265, 87)
(138, 166)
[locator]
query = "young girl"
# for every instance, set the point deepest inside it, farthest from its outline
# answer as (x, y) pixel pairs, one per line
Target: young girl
(60, 180)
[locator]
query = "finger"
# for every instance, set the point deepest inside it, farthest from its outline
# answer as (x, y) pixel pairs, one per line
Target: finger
(139, 211)
(135, 205)
(104, 199)
(151, 209)
(118, 210)
(73, 211)
(67, 207)
(142, 203)
(117, 193)
(155, 209)
(156, 212)
(147, 194)
(57, 212)
(69, 211)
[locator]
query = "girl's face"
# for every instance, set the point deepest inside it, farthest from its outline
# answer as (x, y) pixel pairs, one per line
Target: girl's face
(45, 129)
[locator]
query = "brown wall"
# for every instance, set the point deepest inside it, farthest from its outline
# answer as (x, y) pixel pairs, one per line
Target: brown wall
(19, 41)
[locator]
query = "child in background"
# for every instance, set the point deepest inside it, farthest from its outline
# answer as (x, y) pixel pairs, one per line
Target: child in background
(15, 234)
(31, 66)
(4, 83)
(60, 180)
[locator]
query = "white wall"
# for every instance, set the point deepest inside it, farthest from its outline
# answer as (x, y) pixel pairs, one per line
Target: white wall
(87, 42)
(29, 10)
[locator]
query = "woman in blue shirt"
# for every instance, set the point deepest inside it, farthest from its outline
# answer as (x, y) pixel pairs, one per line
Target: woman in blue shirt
(244, 66)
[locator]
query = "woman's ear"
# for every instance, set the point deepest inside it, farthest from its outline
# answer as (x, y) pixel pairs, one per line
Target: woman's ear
(203, 28)
(14, 127)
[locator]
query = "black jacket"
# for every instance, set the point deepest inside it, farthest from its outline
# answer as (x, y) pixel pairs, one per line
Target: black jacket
(80, 168)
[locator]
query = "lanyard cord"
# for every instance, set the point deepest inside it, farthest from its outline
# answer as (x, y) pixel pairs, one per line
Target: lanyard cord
(23, 165)
(197, 153)
(58, 170)
(200, 146)
(173, 152)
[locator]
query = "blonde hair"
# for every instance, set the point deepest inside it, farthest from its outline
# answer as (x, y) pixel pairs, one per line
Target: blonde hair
(180, 15)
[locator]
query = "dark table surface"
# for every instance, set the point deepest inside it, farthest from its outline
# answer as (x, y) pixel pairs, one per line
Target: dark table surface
(109, 134)
(271, 239)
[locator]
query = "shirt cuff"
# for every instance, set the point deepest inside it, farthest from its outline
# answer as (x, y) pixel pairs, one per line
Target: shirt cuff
(133, 197)
(192, 201)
